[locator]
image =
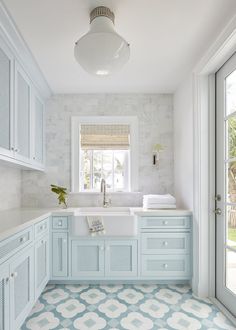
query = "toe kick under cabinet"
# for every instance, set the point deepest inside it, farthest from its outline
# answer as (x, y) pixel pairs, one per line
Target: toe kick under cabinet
(165, 248)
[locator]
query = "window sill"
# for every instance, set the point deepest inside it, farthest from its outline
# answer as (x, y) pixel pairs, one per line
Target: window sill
(108, 193)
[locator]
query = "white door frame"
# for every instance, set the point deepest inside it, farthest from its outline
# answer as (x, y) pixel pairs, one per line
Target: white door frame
(204, 159)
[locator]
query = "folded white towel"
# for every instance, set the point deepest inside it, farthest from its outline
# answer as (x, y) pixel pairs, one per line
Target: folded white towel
(96, 225)
(159, 206)
(159, 199)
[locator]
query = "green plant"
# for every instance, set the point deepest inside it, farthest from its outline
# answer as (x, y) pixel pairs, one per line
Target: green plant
(61, 192)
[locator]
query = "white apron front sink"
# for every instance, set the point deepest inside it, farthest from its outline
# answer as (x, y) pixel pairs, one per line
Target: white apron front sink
(117, 221)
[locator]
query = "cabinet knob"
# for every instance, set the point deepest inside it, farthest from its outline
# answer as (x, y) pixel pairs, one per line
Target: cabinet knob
(17, 150)
(165, 222)
(60, 223)
(22, 239)
(165, 266)
(14, 275)
(165, 243)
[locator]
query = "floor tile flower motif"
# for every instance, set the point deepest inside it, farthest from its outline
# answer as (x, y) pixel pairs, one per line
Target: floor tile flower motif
(55, 296)
(44, 321)
(112, 308)
(130, 296)
(154, 308)
(93, 296)
(70, 308)
(111, 288)
(119, 307)
(136, 321)
(221, 321)
(181, 321)
(77, 288)
(90, 321)
(170, 297)
(196, 308)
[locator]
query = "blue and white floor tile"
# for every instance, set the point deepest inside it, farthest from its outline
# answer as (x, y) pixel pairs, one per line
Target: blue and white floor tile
(132, 307)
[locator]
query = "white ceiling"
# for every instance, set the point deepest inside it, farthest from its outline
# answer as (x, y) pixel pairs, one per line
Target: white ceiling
(167, 37)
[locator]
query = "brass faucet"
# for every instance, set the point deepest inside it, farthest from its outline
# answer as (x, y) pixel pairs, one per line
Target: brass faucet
(105, 203)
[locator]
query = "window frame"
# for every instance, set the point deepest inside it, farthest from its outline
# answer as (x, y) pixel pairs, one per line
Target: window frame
(76, 122)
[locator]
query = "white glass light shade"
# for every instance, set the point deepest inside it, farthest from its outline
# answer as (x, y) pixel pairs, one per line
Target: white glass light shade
(102, 51)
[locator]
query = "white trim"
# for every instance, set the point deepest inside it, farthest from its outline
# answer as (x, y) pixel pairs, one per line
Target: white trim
(11, 35)
(223, 310)
(219, 53)
(132, 121)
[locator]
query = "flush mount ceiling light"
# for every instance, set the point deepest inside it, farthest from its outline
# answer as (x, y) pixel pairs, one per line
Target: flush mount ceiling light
(102, 51)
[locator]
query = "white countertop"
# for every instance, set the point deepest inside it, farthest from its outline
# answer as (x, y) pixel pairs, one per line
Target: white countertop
(15, 220)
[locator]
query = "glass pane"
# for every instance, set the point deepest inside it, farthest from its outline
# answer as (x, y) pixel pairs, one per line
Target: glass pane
(23, 108)
(231, 270)
(231, 129)
(231, 230)
(86, 168)
(230, 89)
(4, 101)
(107, 160)
(97, 177)
(231, 182)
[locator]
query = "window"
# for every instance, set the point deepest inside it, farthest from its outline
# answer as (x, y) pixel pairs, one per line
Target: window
(104, 148)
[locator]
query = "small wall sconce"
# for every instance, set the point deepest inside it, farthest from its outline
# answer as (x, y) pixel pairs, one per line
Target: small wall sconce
(157, 149)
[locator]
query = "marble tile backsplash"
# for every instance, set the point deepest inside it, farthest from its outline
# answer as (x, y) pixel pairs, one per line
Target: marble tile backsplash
(155, 115)
(10, 187)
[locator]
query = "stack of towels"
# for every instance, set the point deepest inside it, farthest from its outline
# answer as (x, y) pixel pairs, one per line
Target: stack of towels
(159, 202)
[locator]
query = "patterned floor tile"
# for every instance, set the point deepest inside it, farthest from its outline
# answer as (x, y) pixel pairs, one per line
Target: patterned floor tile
(116, 307)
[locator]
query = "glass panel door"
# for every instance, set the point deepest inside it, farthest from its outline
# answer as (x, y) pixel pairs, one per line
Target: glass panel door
(226, 185)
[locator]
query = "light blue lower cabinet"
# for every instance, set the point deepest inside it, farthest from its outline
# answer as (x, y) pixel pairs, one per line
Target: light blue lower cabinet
(21, 287)
(165, 266)
(59, 254)
(4, 297)
(87, 258)
(121, 258)
(41, 265)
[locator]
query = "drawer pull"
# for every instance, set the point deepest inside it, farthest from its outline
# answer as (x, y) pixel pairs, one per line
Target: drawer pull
(165, 266)
(165, 243)
(22, 239)
(165, 222)
(60, 223)
(14, 275)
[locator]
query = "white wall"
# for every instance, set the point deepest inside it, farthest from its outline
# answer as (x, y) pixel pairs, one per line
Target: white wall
(10, 187)
(155, 116)
(183, 144)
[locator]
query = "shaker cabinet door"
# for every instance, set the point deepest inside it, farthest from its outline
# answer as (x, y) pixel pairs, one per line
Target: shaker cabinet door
(22, 114)
(41, 265)
(4, 297)
(6, 101)
(21, 287)
(38, 130)
(59, 255)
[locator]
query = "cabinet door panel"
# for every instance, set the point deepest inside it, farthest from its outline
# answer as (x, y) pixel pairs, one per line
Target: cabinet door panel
(38, 130)
(4, 297)
(22, 115)
(87, 258)
(41, 265)
(59, 254)
(22, 287)
(121, 258)
(6, 92)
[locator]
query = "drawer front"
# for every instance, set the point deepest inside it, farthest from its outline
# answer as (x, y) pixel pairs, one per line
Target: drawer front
(165, 222)
(14, 243)
(165, 243)
(60, 222)
(41, 228)
(166, 266)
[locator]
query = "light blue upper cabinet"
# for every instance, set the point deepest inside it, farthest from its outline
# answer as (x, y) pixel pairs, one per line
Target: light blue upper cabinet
(87, 258)
(38, 129)
(6, 100)
(4, 297)
(21, 287)
(121, 258)
(22, 114)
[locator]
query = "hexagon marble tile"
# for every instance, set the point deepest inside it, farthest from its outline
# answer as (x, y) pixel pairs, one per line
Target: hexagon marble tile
(132, 307)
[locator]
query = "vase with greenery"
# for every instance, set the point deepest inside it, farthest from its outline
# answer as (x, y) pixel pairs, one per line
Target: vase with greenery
(61, 194)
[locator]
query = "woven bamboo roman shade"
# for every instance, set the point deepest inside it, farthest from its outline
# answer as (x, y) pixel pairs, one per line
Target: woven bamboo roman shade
(105, 137)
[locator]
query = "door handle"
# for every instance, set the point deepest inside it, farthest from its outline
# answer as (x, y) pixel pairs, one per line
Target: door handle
(218, 211)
